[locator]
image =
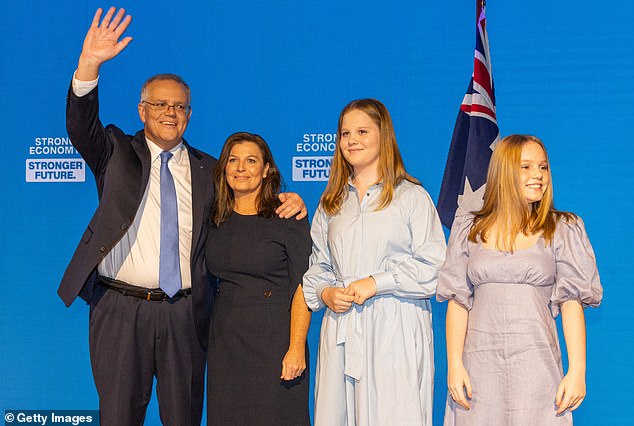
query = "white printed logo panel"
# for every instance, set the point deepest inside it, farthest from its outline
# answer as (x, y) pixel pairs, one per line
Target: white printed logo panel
(55, 170)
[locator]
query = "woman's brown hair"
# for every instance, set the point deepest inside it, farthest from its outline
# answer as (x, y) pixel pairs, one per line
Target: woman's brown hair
(267, 199)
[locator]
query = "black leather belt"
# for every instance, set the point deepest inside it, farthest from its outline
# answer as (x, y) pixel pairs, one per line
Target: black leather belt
(154, 294)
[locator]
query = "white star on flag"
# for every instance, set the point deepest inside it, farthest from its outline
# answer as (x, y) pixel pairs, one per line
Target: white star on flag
(470, 200)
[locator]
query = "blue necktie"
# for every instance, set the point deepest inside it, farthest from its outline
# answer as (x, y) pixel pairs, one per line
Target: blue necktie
(169, 265)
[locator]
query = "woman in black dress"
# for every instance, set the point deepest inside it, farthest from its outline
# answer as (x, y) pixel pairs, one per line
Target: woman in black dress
(257, 346)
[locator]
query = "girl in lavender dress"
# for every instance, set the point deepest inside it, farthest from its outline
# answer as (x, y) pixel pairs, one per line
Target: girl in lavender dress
(511, 268)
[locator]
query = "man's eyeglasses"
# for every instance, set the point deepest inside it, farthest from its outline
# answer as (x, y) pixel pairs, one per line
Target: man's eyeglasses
(164, 107)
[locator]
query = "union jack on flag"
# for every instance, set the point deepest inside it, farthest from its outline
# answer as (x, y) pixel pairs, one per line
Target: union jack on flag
(474, 137)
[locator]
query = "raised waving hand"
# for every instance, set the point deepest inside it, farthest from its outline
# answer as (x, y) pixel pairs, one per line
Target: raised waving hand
(102, 42)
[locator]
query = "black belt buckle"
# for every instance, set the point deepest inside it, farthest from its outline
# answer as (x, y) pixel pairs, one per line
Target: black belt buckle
(161, 296)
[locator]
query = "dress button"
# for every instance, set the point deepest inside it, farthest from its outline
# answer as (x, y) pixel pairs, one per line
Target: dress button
(124, 226)
(102, 249)
(267, 294)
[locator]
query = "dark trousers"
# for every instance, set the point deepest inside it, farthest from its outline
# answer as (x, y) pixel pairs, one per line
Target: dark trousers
(131, 342)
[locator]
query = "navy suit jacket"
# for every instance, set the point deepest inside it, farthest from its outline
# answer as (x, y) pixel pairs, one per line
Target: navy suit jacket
(121, 166)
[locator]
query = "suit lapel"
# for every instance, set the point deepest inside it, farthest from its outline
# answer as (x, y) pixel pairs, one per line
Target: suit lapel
(201, 179)
(139, 145)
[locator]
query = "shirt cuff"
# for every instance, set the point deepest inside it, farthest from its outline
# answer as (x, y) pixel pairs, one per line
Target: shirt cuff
(82, 88)
(319, 288)
(385, 283)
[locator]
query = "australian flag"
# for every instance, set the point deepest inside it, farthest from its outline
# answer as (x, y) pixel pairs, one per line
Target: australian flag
(474, 136)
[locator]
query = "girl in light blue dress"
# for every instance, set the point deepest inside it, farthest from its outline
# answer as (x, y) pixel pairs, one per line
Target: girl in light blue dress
(377, 247)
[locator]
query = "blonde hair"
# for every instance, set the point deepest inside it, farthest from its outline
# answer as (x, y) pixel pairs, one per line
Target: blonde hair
(391, 168)
(505, 206)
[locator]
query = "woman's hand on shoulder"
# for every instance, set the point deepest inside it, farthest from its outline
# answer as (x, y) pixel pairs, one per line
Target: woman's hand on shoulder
(293, 364)
(571, 391)
(336, 299)
(459, 385)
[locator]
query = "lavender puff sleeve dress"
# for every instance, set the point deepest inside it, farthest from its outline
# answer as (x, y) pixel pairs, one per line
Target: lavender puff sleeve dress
(511, 350)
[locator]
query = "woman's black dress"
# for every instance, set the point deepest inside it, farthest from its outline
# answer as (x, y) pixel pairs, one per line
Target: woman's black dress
(259, 263)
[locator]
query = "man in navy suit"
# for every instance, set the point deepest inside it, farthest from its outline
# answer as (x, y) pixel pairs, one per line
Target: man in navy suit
(138, 329)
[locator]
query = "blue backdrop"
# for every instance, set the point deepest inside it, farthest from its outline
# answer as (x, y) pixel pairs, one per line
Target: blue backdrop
(284, 69)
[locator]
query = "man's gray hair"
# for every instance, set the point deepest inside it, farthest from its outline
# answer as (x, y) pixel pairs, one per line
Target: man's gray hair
(164, 77)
